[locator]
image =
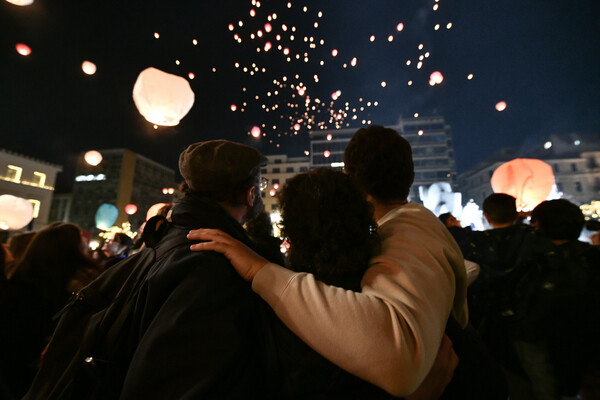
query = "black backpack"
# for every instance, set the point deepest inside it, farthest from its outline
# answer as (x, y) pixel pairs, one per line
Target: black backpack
(90, 350)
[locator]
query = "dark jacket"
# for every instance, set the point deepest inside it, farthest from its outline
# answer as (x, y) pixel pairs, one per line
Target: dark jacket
(200, 328)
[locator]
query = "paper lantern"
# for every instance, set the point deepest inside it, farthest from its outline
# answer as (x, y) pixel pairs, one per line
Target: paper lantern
(153, 210)
(15, 212)
(88, 67)
(93, 157)
(20, 2)
(130, 209)
(162, 98)
(23, 49)
(530, 181)
(501, 106)
(436, 77)
(255, 131)
(106, 215)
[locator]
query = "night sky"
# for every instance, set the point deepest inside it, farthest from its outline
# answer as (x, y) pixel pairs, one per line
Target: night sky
(541, 57)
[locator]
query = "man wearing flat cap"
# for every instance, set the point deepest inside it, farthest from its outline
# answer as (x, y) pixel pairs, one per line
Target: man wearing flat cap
(201, 333)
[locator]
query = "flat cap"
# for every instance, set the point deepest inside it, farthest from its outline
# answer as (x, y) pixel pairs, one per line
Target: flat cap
(218, 165)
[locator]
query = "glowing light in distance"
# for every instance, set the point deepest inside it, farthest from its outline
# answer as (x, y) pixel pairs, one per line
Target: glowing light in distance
(436, 27)
(191, 75)
(326, 153)
(276, 186)
(436, 77)
(88, 67)
(306, 152)
(252, 12)
(416, 115)
(372, 38)
(353, 62)
(268, 46)
(449, 25)
(400, 27)
(547, 145)
(470, 76)
(329, 136)
(334, 52)
(435, 7)
(286, 51)
(301, 91)
(421, 132)
(156, 35)
(501, 106)
(296, 127)
(233, 107)
(130, 209)
(268, 27)
(383, 84)
(20, 2)
(93, 157)
(255, 131)
(231, 27)
(195, 42)
(390, 38)
(23, 49)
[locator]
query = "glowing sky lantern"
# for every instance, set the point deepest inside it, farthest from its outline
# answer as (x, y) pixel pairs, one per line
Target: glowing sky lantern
(20, 2)
(23, 49)
(268, 46)
(400, 27)
(106, 215)
(255, 131)
(334, 52)
(326, 153)
(93, 157)
(296, 127)
(501, 106)
(88, 67)
(191, 75)
(15, 212)
(268, 27)
(233, 107)
(130, 209)
(436, 77)
(530, 181)
(231, 27)
(162, 98)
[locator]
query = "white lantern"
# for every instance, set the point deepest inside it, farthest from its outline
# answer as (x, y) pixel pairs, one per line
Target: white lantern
(20, 2)
(93, 157)
(15, 212)
(88, 67)
(162, 98)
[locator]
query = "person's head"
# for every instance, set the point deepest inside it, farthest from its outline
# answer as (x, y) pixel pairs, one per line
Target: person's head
(52, 259)
(225, 172)
(119, 244)
(558, 219)
(18, 243)
(328, 223)
(500, 209)
(380, 163)
(449, 220)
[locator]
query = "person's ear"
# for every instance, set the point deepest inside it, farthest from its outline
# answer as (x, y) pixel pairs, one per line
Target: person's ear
(251, 194)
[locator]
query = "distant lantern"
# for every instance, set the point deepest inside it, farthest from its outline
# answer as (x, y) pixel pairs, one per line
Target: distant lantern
(296, 127)
(334, 52)
(106, 215)
(530, 181)
(436, 77)
(326, 153)
(23, 49)
(130, 209)
(88, 67)
(400, 27)
(21, 2)
(153, 210)
(233, 107)
(501, 106)
(15, 212)
(255, 131)
(268, 27)
(191, 75)
(162, 98)
(93, 157)
(272, 192)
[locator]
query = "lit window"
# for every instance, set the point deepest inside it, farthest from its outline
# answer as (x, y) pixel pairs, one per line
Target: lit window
(14, 173)
(39, 179)
(36, 207)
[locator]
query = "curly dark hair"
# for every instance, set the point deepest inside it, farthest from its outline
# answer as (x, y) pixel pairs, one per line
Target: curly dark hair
(559, 219)
(329, 224)
(380, 162)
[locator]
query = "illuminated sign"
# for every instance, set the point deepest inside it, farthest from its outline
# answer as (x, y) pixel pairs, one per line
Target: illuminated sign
(88, 178)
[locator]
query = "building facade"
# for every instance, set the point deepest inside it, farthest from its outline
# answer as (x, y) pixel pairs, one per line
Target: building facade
(31, 179)
(123, 177)
(429, 137)
(574, 158)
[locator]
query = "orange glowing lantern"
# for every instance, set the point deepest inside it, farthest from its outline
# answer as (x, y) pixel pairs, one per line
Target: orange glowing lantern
(326, 153)
(233, 107)
(501, 106)
(130, 209)
(20, 2)
(255, 132)
(93, 157)
(23, 49)
(436, 77)
(15, 212)
(162, 98)
(530, 181)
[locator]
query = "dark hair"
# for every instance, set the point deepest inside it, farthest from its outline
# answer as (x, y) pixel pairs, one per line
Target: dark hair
(444, 217)
(380, 162)
(260, 226)
(18, 243)
(328, 223)
(559, 219)
(52, 260)
(123, 239)
(500, 208)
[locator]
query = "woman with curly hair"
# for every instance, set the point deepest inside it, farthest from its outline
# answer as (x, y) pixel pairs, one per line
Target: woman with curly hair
(53, 266)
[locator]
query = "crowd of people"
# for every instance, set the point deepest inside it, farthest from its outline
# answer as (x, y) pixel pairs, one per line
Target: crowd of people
(376, 297)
